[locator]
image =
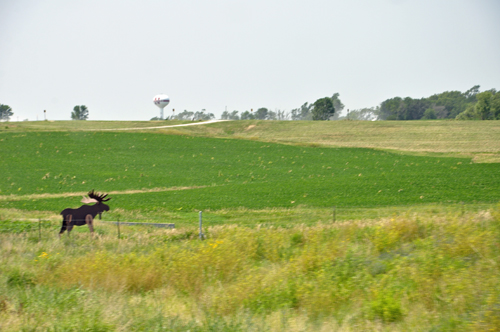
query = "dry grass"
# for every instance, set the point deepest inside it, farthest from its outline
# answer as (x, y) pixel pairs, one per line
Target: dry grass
(73, 194)
(477, 139)
(480, 139)
(82, 125)
(403, 273)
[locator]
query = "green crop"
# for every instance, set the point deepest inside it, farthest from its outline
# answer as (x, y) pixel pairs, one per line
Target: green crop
(227, 173)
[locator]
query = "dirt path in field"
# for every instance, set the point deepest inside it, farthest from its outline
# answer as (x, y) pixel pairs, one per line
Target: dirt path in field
(160, 127)
(124, 192)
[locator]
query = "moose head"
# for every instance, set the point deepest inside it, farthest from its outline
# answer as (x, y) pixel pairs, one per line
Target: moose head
(94, 197)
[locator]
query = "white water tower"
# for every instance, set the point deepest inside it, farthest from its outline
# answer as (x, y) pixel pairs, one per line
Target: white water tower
(161, 101)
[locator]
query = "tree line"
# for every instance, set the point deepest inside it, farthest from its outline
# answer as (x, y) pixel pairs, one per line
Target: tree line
(187, 115)
(469, 105)
(327, 108)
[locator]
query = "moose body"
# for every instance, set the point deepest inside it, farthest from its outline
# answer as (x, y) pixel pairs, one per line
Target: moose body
(85, 214)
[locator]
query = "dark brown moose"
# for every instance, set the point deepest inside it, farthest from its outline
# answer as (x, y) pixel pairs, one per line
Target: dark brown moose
(85, 214)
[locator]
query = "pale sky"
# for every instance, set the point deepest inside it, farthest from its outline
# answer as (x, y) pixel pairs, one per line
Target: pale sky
(115, 56)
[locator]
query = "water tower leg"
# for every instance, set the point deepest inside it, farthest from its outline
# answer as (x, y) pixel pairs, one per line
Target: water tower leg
(161, 112)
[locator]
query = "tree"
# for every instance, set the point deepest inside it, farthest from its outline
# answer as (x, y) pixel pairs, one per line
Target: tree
(323, 109)
(247, 116)
(389, 109)
(261, 113)
(403, 109)
(202, 116)
(483, 105)
(364, 114)
(185, 115)
(282, 115)
(495, 105)
(453, 102)
(234, 115)
(429, 114)
(469, 114)
(5, 112)
(337, 104)
(471, 93)
(272, 115)
(230, 116)
(415, 108)
(302, 113)
(80, 113)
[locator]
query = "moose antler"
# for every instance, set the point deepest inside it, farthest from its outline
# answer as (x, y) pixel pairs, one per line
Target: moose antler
(88, 200)
(98, 197)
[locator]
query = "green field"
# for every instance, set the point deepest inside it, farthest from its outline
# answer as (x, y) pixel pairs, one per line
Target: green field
(475, 139)
(228, 173)
(310, 226)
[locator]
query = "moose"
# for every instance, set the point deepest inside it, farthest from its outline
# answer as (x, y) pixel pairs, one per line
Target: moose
(85, 214)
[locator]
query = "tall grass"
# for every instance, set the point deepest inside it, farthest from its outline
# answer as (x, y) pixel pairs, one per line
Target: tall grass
(409, 272)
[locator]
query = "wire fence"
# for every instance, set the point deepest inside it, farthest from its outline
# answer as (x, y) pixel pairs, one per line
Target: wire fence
(335, 214)
(129, 223)
(32, 226)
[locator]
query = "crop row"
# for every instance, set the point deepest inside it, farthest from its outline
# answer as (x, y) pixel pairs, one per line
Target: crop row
(227, 173)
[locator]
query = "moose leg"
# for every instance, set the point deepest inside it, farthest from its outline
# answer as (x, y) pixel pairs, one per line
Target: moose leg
(89, 221)
(63, 228)
(70, 227)
(66, 224)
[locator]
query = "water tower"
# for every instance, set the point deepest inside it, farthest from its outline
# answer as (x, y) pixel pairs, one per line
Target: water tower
(161, 101)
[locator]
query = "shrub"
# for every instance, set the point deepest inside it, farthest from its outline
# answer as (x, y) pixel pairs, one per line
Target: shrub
(386, 307)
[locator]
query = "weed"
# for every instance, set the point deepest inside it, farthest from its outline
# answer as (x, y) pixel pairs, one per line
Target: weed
(18, 278)
(358, 273)
(386, 307)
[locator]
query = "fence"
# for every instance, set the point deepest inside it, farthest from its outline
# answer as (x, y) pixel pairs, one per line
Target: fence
(24, 225)
(128, 223)
(333, 214)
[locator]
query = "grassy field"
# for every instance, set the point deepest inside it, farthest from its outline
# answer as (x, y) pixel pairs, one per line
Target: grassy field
(407, 273)
(310, 226)
(148, 171)
(475, 139)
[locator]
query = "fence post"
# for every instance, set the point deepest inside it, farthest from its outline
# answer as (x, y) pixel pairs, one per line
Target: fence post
(118, 226)
(201, 224)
